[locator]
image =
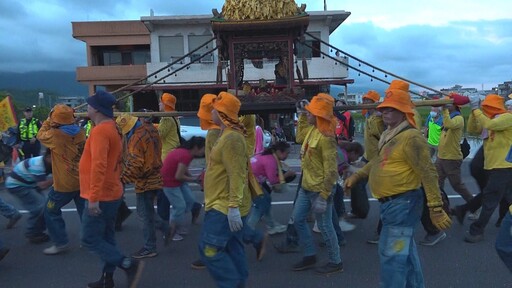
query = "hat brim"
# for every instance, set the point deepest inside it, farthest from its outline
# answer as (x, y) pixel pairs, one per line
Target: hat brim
(129, 125)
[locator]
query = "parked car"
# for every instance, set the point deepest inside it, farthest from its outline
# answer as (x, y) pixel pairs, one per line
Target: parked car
(189, 127)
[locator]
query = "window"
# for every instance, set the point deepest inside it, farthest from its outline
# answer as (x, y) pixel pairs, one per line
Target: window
(171, 48)
(141, 57)
(308, 52)
(112, 58)
(194, 41)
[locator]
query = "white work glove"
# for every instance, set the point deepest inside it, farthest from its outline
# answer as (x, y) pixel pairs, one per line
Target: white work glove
(235, 220)
(301, 106)
(320, 205)
(474, 102)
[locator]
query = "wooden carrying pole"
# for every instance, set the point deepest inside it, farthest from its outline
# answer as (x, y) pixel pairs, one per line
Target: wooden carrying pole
(421, 103)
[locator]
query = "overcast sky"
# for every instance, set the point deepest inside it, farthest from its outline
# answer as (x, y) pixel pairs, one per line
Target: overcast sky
(433, 42)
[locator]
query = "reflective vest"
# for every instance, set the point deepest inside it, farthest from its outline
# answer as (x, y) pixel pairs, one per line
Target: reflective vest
(28, 131)
(87, 128)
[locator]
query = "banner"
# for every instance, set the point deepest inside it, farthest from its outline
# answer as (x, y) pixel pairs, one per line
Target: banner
(7, 115)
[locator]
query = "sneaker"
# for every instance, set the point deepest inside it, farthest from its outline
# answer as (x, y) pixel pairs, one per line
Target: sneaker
(3, 252)
(13, 220)
(460, 213)
(177, 237)
(106, 281)
(285, 247)
(54, 250)
(346, 226)
(261, 247)
(431, 240)
(474, 216)
(198, 265)
(374, 239)
(144, 253)
(330, 268)
(37, 239)
(306, 263)
(277, 229)
(470, 238)
(133, 272)
(315, 228)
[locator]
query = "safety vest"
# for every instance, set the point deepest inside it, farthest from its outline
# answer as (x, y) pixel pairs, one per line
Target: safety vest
(28, 131)
(87, 128)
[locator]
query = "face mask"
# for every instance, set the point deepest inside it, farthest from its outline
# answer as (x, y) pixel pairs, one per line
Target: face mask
(433, 113)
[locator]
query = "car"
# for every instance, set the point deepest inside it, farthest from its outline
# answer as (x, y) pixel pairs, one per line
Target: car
(189, 127)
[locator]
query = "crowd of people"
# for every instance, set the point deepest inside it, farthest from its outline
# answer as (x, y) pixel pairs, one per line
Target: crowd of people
(404, 166)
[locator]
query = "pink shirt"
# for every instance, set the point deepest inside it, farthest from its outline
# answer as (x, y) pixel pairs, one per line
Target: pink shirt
(170, 166)
(264, 168)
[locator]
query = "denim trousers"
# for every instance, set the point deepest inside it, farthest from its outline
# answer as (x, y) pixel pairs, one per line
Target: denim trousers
(399, 260)
(32, 201)
(182, 199)
(7, 210)
(53, 214)
(498, 186)
(150, 220)
(504, 241)
(303, 205)
(223, 251)
(98, 234)
(261, 207)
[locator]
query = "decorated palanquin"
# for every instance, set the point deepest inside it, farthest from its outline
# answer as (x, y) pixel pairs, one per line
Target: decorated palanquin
(255, 33)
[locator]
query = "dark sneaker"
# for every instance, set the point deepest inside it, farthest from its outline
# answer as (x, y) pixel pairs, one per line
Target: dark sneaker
(459, 213)
(144, 253)
(3, 252)
(470, 238)
(133, 272)
(431, 240)
(37, 239)
(306, 263)
(285, 247)
(260, 247)
(106, 281)
(13, 220)
(198, 265)
(330, 268)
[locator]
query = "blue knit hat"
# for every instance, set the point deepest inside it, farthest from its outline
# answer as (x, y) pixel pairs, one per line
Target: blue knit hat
(103, 102)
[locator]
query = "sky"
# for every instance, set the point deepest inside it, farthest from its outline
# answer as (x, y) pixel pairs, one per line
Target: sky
(437, 43)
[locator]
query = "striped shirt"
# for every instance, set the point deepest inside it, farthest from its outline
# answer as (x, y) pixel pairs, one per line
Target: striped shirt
(27, 173)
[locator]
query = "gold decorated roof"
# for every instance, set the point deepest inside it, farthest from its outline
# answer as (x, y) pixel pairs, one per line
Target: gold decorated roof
(236, 10)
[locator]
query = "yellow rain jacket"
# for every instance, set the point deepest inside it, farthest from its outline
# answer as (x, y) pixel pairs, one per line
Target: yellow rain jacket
(374, 126)
(168, 129)
(449, 143)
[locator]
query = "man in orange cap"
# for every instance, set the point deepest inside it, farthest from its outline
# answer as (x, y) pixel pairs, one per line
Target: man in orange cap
(316, 132)
(169, 127)
(495, 124)
(395, 177)
(60, 134)
(227, 199)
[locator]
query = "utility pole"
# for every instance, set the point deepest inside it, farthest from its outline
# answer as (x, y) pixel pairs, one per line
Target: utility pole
(41, 98)
(325, 5)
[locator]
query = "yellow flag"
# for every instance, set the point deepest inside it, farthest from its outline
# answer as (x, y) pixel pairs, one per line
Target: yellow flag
(7, 115)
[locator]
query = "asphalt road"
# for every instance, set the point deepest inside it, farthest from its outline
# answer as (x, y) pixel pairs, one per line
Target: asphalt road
(451, 263)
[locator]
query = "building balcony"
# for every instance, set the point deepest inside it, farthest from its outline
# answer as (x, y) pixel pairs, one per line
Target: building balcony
(206, 72)
(105, 75)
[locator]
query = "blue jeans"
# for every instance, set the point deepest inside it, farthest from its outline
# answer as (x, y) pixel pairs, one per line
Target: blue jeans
(303, 205)
(181, 199)
(504, 241)
(261, 208)
(53, 214)
(146, 211)
(223, 251)
(98, 234)
(33, 202)
(399, 261)
(7, 210)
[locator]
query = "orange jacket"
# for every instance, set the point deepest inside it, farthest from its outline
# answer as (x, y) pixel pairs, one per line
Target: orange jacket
(143, 159)
(101, 164)
(66, 150)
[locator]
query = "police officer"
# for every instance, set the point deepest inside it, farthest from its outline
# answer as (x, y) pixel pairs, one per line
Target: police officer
(28, 128)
